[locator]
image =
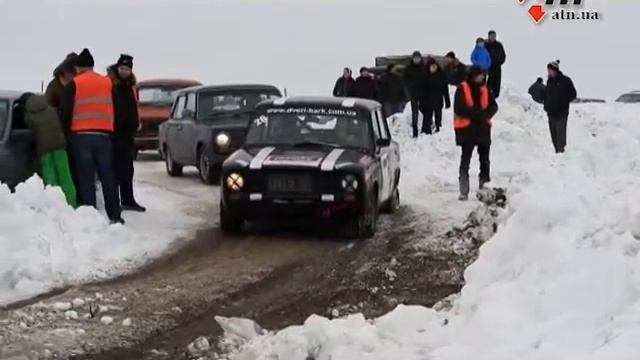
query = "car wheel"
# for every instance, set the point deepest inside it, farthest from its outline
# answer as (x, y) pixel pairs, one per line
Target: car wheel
(173, 168)
(393, 203)
(364, 225)
(230, 224)
(208, 175)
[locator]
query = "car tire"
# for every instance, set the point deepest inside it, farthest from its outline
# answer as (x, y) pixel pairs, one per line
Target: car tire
(208, 175)
(364, 225)
(230, 224)
(393, 203)
(173, 169)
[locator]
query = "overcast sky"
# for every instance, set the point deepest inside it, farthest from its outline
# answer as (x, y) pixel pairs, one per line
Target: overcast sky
(303, 44)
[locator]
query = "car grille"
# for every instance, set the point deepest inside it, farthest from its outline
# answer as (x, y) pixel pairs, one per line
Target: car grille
(288, 182)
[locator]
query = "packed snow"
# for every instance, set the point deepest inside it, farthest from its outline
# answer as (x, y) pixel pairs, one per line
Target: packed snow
(560, 279)
(46, 244)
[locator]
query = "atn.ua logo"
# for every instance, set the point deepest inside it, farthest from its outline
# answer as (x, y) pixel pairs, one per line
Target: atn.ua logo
(560, 10)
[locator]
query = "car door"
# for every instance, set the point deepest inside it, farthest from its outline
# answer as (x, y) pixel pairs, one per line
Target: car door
(188, 130)
(393, 150)
(174, 140)
(384, 153)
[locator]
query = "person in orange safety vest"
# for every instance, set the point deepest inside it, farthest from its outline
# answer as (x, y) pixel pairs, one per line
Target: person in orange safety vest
(474, 106)
(87, 116)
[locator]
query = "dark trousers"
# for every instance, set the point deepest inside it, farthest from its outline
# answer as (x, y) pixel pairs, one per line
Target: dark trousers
(123, 148)
(465, 163)
(431, 114)
(92, 154)
(415, 108)
(72, 168)
(558, 130)
(494, 81)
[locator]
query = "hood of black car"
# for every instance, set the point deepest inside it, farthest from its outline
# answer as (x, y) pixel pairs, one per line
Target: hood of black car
(325, 159)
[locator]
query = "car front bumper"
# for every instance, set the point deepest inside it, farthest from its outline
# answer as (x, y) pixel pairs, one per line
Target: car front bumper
(264, 206)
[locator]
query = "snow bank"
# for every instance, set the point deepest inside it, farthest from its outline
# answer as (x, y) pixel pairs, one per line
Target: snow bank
(46, 244)
(560, 280)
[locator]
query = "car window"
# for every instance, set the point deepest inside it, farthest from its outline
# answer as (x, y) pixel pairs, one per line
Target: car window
(178, 107)
(4, 116)
(220, 103)
(191, 102)
(375, 125)
(160, 95)
(383, 125)
(310, 127)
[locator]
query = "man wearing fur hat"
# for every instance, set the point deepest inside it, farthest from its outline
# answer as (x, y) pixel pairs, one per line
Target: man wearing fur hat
(559, 94)
(125, 108)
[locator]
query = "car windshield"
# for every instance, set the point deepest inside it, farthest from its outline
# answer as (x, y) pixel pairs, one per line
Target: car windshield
(4, 116)
(310, 127)
(161, 95)
(629, 98)
(217, 103)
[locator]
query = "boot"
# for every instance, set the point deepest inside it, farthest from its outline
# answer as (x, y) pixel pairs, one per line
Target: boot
(483, 182)
(464, 188)
(134, 206)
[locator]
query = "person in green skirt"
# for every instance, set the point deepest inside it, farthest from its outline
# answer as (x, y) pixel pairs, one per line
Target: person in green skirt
(51, 145)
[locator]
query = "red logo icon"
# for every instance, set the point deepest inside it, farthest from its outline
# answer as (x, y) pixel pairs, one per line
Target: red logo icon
(536, 12)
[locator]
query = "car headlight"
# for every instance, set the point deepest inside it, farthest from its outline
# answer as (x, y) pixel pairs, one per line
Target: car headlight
(234, 182)
(350, 183)
(223, 140)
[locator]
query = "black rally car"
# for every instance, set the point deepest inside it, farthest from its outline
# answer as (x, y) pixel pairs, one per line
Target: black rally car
(330, 158)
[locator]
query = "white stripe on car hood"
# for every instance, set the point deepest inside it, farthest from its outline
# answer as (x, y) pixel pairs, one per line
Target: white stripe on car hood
(330, 161)
(256, 162)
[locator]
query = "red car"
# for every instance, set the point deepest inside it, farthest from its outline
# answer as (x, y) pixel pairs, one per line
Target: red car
(156, 98)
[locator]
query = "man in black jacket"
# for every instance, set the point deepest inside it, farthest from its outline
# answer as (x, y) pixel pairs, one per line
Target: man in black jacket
(125, 108)
(344, 84)
(498, 57)
(537, 91)
(366, 86)
(392, 91)
(414, 80)
(434, 97)
(474, 106)
(559, 94)
(456, 71)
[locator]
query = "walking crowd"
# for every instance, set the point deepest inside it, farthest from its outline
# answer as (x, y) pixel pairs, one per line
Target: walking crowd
(84, 127)
(424, 84)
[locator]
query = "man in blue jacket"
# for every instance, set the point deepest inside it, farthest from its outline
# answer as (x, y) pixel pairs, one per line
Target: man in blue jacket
(480, 56)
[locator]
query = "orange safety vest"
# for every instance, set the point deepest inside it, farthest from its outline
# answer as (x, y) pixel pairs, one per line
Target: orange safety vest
(460, 122)
(93, 105)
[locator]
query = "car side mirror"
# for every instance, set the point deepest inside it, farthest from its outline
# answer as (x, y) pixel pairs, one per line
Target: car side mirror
(383, 142)
(188, 114)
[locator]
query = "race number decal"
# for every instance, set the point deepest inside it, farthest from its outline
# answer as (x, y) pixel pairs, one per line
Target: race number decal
(262, 120)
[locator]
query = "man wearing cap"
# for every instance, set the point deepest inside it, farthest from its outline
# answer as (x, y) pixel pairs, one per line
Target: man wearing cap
(498, 57)
(125, 108)
(62, 75)
(473, 108)
(87, 114)
(559, 94)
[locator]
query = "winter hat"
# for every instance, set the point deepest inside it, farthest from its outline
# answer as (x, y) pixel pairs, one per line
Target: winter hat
(554, 65)
(479, 40)
(416, 54)
(475, 71)
(362, 69)
(125, 60)
(85, 59)
(451, 55)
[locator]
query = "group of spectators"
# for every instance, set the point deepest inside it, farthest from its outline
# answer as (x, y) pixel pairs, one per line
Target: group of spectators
(84, 127)
(424, 83)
